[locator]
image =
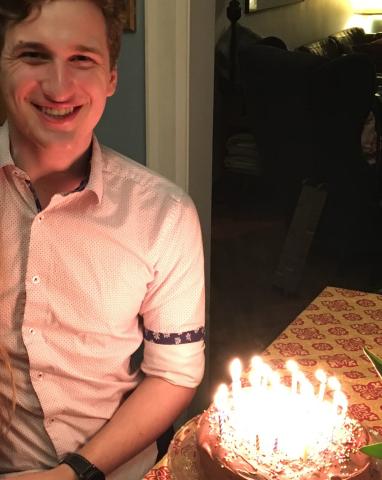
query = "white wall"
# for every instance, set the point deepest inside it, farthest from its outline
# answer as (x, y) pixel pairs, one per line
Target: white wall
(296, 24)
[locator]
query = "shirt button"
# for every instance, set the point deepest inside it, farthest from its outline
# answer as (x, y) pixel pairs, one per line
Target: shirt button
(35, 279)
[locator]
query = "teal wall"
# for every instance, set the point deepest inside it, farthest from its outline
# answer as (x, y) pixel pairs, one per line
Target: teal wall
(123, 125)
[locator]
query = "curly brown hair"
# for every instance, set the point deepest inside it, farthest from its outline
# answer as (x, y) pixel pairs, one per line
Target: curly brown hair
(114, 12)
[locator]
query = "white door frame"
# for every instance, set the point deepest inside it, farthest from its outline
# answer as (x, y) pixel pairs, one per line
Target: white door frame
(180, 40)
(167, 88)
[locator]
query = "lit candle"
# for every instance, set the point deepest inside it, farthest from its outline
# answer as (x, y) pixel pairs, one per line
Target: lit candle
(292, 366)
(266, 376)
(303, 428)
(235, 369)
(301, 382)
(255, 373)
(275, 381)
(322, 378)
(306, 389)
(221, 404)
(335, 385)
(221, 398)
(341, 405)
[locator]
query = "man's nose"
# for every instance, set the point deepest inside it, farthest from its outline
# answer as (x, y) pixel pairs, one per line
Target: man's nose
(58, 84)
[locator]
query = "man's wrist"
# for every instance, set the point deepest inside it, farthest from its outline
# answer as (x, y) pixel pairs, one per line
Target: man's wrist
(65, 472)
(81, 467)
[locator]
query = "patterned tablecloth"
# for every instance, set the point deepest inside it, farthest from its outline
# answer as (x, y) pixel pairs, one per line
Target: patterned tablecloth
(329, 334)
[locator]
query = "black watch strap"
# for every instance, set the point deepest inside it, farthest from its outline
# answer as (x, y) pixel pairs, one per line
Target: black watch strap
(82, 467)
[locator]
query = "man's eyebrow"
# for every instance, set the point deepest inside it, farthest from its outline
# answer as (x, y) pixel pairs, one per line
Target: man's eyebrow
(87, 49)
(31, 45)
(40, 46)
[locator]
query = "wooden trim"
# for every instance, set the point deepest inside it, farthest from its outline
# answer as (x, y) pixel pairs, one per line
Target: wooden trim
(253, 6)
(131, 16)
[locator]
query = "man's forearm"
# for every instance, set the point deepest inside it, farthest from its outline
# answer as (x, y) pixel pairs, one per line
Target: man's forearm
(139, 421)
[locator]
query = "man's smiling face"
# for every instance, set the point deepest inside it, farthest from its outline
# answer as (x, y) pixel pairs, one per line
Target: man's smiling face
(56, 76)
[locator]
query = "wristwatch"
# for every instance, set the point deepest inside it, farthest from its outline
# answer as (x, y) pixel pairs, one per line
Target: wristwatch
(82, 467)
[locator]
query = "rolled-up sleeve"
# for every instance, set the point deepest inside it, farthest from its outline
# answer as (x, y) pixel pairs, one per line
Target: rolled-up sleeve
(173, 309)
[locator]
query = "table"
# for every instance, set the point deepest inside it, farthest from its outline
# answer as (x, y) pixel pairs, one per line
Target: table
(330, 334)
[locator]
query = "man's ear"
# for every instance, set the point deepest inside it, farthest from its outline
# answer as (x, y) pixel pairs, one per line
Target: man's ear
(112, 82)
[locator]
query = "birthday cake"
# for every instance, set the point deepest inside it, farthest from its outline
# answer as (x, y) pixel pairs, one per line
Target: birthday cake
(279, 434)
(221, 461)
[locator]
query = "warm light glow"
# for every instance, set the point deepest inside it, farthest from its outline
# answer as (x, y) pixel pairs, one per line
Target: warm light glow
(235, 369)
(292, 366)
(252, 5)
(276, 422)
(370, 23)
(322, 378)
(221, 398)
(367, 6)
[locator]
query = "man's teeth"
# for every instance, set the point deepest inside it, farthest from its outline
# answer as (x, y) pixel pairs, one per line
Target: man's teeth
(55, 112)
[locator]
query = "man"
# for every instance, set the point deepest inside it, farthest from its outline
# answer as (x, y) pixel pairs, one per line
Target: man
(97, 253)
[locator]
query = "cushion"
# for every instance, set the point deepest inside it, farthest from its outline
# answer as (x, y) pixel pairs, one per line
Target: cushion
(375, 46)
(326, 47)
(373, 50)
(348, 38)
(273, 42)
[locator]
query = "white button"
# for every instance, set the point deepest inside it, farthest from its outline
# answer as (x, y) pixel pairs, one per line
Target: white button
(35, 279)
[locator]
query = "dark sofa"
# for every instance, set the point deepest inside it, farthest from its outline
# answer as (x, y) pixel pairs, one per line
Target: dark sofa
(340, 43)
(306, 113)
(350, 40)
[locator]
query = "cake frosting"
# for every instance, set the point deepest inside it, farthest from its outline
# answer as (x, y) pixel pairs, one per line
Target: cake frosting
(226, 457)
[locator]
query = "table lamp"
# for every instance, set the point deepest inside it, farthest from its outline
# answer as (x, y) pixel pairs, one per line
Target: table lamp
(370, 12)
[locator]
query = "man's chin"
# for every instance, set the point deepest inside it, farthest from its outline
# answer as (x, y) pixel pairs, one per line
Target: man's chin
(62, 140)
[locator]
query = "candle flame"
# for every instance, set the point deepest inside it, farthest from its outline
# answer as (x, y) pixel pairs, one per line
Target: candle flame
(321, 375)
(221, 397)
(235, 369)
(322, 378)
(256, 361)
(334, 384)
(293, 420)
(291, 365)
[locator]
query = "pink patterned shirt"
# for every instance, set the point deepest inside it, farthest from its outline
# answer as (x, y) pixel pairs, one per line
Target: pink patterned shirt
(83, 283)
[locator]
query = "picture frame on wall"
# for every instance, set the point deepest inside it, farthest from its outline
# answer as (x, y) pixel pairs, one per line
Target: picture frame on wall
(131, 16)
(253, 6)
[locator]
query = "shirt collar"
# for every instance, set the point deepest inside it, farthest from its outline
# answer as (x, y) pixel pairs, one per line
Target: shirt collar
(5, 152)
(96, 161)
(95, 182)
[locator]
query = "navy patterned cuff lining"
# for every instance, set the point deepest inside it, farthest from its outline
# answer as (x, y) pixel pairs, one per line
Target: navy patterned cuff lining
(174, 338)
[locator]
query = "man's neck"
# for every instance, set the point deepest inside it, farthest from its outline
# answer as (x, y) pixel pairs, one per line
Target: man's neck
(55, 165)
(55, 170)
(57, 161)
